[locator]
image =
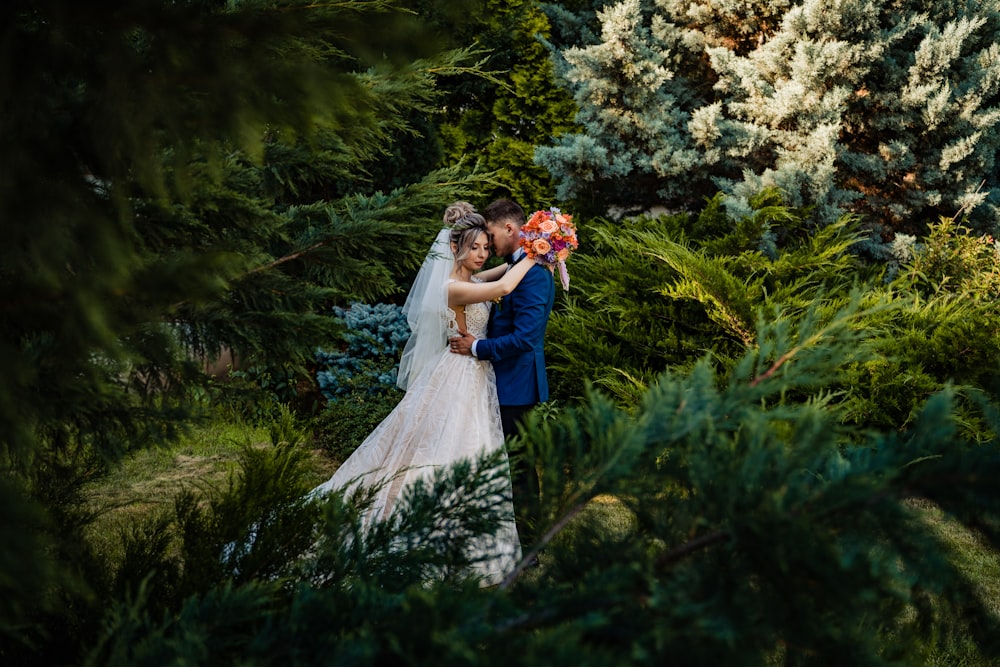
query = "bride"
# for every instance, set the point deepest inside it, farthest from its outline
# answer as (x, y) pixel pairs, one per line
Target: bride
(450, 411)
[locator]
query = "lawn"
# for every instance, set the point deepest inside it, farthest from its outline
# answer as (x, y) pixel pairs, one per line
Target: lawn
(148, 480)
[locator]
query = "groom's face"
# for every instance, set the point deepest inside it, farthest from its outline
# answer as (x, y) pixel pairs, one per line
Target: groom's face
(504, 236)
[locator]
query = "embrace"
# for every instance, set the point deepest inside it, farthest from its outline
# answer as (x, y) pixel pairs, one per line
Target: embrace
(472, 368)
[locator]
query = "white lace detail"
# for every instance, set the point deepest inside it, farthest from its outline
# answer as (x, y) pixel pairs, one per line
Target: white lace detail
(477, 316)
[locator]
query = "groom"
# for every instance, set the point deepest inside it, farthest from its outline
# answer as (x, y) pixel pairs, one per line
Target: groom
(514, 341)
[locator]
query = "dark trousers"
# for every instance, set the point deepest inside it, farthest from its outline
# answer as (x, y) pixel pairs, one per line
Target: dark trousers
(524, 478)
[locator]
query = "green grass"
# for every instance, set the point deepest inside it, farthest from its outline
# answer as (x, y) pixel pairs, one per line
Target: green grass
(980, 563)
(973, 555)
(147, 481)
(151, 477)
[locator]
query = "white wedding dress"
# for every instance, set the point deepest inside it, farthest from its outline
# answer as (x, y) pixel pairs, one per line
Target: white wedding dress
(449, 413)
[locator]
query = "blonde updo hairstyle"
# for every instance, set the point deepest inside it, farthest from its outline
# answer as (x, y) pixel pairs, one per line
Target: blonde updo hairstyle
(466, 225)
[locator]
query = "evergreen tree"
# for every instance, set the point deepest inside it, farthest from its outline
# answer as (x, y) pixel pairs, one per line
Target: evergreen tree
(887, 110)
(178, 177)
(497, 122)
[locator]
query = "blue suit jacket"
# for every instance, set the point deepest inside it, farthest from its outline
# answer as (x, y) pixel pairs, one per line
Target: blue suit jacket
(515, 333)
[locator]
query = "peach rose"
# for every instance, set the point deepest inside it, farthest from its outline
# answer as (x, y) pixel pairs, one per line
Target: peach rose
(562, 254)
(548, 227)
(541, 246)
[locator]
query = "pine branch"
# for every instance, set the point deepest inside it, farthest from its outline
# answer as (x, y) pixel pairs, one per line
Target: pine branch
(707, 281)
(787, 356)
(288, 258)
(688, 548)
(532, 555)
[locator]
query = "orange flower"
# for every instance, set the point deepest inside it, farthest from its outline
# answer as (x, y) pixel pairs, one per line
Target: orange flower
(541, 246)
(536, 217)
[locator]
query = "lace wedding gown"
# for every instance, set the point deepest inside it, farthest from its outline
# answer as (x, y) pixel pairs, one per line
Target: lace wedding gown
(450, 412)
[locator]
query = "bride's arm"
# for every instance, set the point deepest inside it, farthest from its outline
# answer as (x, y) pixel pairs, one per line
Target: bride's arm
(489, 275)
(463, 293)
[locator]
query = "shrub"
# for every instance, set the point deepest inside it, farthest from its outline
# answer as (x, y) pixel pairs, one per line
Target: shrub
(346, 422)
(369, 359)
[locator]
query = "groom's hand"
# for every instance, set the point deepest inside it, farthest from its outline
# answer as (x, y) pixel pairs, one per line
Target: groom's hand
(462, 344)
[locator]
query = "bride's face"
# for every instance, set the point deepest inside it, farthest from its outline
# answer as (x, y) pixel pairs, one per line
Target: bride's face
(478, 253)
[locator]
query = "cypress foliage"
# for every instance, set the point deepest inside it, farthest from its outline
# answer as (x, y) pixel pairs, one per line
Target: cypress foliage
(652, 293)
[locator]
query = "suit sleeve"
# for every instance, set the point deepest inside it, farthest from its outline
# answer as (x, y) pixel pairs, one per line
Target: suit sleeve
(529, 302)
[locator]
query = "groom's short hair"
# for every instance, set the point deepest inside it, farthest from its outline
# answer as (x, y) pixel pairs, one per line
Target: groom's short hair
(502, 210)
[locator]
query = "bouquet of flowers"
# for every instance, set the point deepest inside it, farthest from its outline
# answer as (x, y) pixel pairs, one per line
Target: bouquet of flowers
(550, 236)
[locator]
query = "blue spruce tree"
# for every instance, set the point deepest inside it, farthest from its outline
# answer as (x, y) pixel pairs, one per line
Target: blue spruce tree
(886, 110)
